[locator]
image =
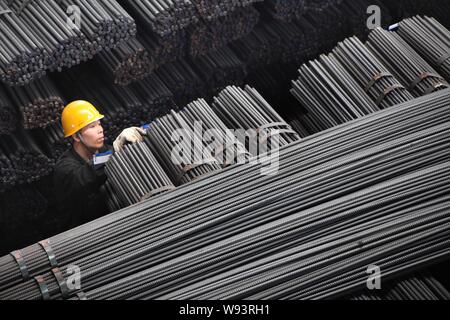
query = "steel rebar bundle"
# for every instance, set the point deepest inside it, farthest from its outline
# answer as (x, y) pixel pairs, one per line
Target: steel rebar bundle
(370, 73)
(433, 8)
(40, 103)
(329, 93)
(182, 79)
(261, 47)
(247, 109)
(318, 6)
(212, 35)
(51, 139)
(8, 114)
(8, 174)
(136, 175)
(370, 191)
(156, 97)
(300, 128)
(288, 10)
(284, 10)
(162, 17)
(179, 149)
(165, 49)
(105, 23)
(113, 201)
(219, 69)
(22, 209)
(23, 160)
(299, 41)
(430, 39)
(413, 287)
(213, 9)
(224, 148)
(37, 37)
(128, 62)
(138, 58)
(404, 63)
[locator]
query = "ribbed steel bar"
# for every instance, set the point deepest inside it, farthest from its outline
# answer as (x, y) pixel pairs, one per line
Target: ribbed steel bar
(137, 170)
(430, 39)
(404, 63)
(372, 76)
(329, 93)
(36, 36)
(247, 109)
(363, 160)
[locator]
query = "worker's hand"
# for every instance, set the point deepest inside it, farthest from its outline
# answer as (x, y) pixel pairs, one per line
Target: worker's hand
(131, 135)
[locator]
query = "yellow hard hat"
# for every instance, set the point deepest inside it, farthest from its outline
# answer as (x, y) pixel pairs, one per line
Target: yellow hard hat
(77, 115)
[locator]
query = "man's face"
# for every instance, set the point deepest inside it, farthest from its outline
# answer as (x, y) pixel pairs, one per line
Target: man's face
(93, 135)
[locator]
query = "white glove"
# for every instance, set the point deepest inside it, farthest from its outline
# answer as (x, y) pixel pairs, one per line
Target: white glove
(132, 135)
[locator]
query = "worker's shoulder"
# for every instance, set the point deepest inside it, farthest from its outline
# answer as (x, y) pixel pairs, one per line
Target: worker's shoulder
(66, 160)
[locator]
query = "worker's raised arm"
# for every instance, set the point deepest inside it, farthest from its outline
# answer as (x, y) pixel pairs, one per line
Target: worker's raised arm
(129, 135)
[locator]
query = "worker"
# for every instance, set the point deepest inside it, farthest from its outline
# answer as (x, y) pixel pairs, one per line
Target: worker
(79, 174)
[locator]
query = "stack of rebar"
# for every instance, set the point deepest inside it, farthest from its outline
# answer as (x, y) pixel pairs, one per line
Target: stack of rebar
(284, 10)
(382, 87)
(407, 8)
(23, 159)
(113, 201)
(183, 81)
(248, 110)
(318, 6)
(329, 93)
(430, 39)
(288, 10)
(135, 174)
(299, 40)
(404, 63)
(8, 114)
(8, 175)
(212, 35)
(179, 149)
(165, 49)
(300, 128)
(23, 209)
(332, 21)
(218, 140)
(413, 287)
(213, 9)
(162, 17)
(372, 191)
(128, 62)
(36, 36)
(40, 103)
(155, 95)
(261, 47)
(51, 139)
(219, 69)
(104, 23)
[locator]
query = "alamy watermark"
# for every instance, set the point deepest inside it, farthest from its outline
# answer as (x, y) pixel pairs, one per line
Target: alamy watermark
(73, 281)
(374, 280)
(374, 20)
(74, 17)
(196, 147)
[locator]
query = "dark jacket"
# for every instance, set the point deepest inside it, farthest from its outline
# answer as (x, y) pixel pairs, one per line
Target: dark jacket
(78, 198)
